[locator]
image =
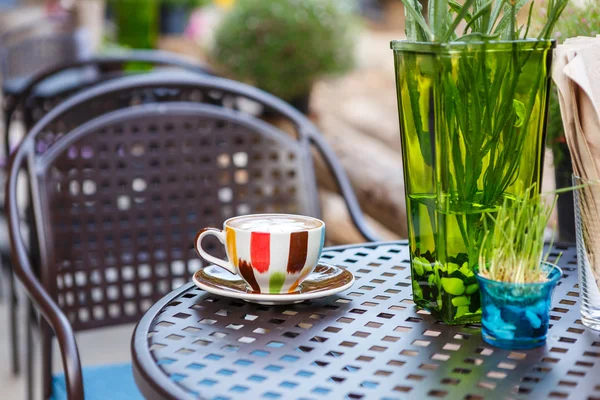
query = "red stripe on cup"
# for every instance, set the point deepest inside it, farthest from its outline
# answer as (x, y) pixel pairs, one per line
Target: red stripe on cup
(260, 251)
(298, 250)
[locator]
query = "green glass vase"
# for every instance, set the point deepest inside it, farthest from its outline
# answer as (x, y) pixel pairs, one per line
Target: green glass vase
(472, 122)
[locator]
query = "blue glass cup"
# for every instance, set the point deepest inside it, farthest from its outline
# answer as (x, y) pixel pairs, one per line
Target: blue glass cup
(516, 315)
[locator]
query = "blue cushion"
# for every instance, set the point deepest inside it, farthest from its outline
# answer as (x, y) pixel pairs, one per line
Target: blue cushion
(113, 382)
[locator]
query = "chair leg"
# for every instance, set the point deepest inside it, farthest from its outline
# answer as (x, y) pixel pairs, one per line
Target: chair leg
(30, 349)
(14, 324)
(7, 119)
(46, 335)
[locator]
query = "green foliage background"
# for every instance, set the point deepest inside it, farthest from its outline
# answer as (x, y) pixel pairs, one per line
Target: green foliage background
(284, 46)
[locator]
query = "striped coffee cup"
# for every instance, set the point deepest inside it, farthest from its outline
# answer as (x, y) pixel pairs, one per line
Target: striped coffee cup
(273, 253)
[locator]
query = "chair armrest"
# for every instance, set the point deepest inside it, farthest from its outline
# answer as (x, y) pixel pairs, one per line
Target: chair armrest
(344, 187)
(57, 320)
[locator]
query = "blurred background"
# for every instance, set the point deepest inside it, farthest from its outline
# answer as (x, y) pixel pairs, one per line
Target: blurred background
(346, 85)
(331, 59)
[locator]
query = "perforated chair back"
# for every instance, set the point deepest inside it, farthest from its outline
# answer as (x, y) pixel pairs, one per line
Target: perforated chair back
(163, 87)
(119, 198)
(122, 198)
(156, 87)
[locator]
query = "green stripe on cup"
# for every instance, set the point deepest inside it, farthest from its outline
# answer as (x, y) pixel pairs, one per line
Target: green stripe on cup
(276, 282)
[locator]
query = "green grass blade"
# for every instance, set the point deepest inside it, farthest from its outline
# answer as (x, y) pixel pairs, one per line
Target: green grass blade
(495, 15)
(528, 21)
(457, 7)
(459, 17)
(414, 15)
(483, 12)
(483, 20)
(508, 19)
(554, 12)
(477, 37)
(438, 22)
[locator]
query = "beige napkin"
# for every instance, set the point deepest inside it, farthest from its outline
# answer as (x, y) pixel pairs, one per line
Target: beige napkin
(576, 72)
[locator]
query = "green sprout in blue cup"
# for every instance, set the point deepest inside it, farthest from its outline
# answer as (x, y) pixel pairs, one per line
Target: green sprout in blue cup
(516, 283)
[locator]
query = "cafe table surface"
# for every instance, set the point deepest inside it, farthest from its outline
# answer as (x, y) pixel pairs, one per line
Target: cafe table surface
(369, 342)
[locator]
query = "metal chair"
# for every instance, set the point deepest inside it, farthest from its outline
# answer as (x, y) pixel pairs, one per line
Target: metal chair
(46, 89)
(102, 191)
(164, 88)
(49, 87)
(24, 51)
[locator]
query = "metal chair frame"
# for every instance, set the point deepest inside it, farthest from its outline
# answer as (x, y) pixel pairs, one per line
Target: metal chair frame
(223, 90)
(104, 67)
(33, 37)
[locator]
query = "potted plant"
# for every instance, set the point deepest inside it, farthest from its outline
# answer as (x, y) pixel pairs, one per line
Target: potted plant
(516, 283)
(472, 106)
(578, 19)
(284, 46)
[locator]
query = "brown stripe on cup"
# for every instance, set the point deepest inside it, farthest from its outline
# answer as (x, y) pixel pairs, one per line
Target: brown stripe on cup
(298, 251)
(248, 274)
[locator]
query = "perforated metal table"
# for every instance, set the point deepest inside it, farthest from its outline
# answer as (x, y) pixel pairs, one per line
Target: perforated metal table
(369, 342)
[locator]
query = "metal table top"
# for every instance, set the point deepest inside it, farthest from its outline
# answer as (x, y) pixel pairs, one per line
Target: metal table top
(366, 343)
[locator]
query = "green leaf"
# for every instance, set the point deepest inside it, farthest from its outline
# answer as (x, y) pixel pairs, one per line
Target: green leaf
(438, 22)
(482, 12)
(528, 21)
(478, 37)
(553, 15)
(495, 15)
(503, 27)
(459, 17)
(457, 7)
(414, 19)
(482, 20)
(419, 96)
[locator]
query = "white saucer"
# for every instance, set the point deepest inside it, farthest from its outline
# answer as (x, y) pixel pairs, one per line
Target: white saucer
(324, 281)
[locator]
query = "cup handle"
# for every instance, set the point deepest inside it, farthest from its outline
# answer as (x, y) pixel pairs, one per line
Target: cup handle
(212, 259)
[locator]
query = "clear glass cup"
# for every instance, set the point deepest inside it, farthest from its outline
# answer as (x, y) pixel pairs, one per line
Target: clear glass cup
(587, 222)
(517, 315)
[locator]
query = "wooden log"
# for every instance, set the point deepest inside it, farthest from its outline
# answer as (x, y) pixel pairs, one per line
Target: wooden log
(340, 229)
(365, 98)
(374, 169)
